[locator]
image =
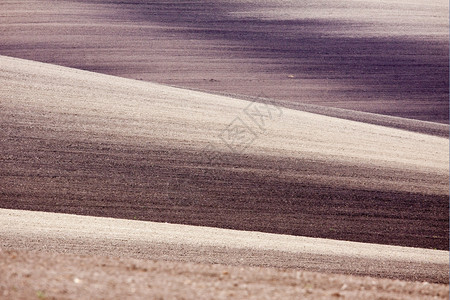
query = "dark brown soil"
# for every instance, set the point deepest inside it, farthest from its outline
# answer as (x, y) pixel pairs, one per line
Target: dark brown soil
(234, 195)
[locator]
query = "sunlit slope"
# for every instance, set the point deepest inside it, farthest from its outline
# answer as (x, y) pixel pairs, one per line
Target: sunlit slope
(79, 142)
(43, 231)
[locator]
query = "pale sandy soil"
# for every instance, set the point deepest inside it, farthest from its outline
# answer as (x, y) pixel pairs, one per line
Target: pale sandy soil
(388, 57)
(41, 275)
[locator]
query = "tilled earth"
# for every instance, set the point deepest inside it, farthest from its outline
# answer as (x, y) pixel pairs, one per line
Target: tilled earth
(90, 145)
(86, 143)
(383, 57)
(87, 235)
(41, 275)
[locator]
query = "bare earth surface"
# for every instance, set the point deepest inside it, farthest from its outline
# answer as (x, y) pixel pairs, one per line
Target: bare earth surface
(127, 238)
(42, 275)
(387, 57)
(306, 147)
(85, 143)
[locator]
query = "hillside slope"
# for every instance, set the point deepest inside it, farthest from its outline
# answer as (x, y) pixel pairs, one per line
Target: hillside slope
(84, 143)
(63, 233)
(26, 274)
(385, 57)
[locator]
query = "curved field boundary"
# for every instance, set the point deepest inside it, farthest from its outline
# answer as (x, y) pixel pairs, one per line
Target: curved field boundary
(129, 238)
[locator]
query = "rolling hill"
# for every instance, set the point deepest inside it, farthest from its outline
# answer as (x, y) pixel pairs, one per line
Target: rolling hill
(78, 142)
